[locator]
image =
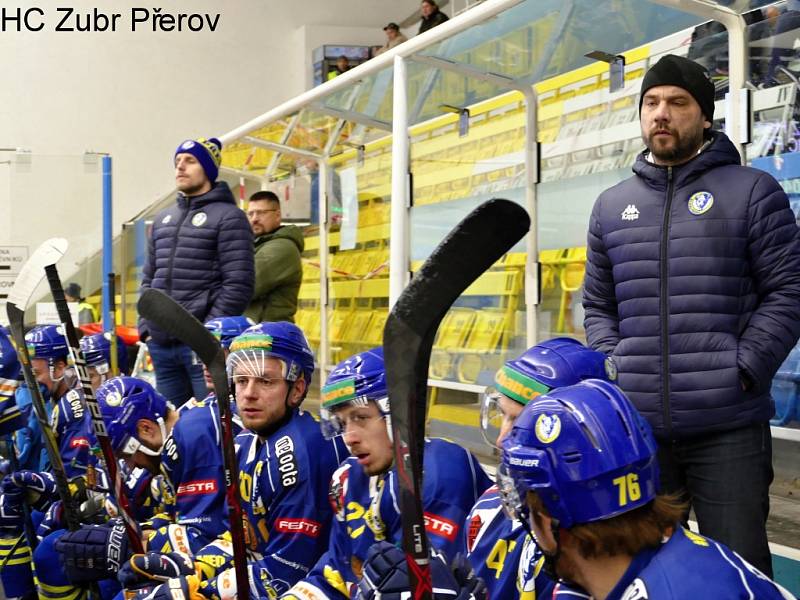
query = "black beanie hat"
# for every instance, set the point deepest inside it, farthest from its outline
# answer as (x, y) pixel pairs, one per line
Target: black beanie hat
(683, 73)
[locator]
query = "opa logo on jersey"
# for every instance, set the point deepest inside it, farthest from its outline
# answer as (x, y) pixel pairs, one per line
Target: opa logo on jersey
(284, 451)
(440, 526)
(196, 488)
(302, 526)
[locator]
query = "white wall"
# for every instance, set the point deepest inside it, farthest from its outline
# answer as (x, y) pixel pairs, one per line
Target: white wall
(137, 95)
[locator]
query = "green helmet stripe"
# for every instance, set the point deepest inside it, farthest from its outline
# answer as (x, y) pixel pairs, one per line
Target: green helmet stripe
(339, 392)
(518, 386)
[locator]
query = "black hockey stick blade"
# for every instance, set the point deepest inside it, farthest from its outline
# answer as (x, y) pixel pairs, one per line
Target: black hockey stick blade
(98, 425)
(473, 246)
(28, 279)
(171, 317)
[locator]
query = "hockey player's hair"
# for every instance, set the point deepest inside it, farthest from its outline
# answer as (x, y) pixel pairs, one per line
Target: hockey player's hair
(625, 534)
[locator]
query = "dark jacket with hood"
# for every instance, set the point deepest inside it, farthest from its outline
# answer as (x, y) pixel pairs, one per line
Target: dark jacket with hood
(201, 254)
(279, 273)
(693, 286)
(437, 17)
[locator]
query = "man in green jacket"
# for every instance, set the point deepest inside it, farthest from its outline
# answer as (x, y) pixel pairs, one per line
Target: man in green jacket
(279, 270)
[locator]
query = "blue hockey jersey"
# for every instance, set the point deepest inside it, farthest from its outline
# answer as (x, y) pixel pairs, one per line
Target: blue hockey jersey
(495, 546)
(193, 474)
(688, 565)
(367, 511)
(72, 426)
(284, 482)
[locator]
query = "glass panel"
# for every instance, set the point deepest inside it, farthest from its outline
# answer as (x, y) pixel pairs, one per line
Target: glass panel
(359, 254)
(775, 150)
(534, 40)
(452, 175)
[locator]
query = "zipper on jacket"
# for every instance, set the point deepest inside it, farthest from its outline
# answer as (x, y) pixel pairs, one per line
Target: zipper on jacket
(664, 301)
(175, 247)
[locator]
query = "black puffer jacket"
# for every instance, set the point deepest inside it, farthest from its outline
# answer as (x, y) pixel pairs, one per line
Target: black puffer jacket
(201, 254)
(693, 283)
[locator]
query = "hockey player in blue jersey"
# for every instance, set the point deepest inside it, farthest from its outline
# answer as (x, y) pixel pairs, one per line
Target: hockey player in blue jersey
(285, 468)
(364, 489)
(96, 350)
(184, 447)
(495, 543)
(579, 467)
(16, 575)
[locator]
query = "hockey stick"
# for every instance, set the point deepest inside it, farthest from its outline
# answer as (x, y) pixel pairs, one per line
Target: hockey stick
(170, 316)
(99, 426)
(474, 245)
(112, 309)
(25, 284)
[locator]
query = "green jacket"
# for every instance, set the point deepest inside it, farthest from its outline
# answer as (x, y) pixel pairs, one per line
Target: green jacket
(278, 275)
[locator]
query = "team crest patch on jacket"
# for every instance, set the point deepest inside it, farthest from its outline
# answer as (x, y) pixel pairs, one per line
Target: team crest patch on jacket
(700, 202)
(199, 219)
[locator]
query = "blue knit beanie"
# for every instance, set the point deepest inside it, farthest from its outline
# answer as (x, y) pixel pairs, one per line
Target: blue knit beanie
(208, 152)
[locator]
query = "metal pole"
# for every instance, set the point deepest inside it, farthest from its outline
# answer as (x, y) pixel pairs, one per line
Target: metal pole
(108, 242)
(399, 238)
(123, 273)
(324, 343)
(532, 239)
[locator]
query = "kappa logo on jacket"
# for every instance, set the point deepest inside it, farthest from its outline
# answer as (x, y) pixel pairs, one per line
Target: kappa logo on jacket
(631, 213)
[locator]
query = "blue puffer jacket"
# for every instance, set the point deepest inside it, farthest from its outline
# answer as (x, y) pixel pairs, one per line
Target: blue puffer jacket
(693, 285)
(201, 254)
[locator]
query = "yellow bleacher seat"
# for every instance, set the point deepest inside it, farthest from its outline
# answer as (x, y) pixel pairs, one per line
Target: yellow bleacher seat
(571, 278)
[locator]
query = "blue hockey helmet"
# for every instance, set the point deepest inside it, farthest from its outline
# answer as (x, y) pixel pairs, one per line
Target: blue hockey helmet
(227, 328)
(355, 380)
(47, 341)
(123, 401)
(97, 352)
(9, 363)
(548, 365)
(282, 340)
(586, 452)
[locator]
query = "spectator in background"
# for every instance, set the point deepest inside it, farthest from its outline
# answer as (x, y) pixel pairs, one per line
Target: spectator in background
(279, 270)
(393, 38)
(86, 312)
(783, 45)
(342, 65)
(200, 254)
(431, 16)
(693, 288)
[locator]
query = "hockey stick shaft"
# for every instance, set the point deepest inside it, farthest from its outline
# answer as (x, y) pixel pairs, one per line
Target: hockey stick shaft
(114, 475)
(16, 317)
(476, 243)
(170, 316)
(112, 329)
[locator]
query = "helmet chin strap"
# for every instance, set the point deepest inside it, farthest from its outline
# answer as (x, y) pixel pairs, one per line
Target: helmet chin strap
(145, 450)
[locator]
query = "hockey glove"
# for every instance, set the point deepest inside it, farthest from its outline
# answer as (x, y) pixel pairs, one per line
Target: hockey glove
(386, 577)
(93, 552)
(11, 515)
(40, 488)
(181, 588)
(144, 569)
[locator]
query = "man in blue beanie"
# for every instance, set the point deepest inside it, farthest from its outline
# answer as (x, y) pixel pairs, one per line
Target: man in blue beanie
(201, 254)
(692, 286)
